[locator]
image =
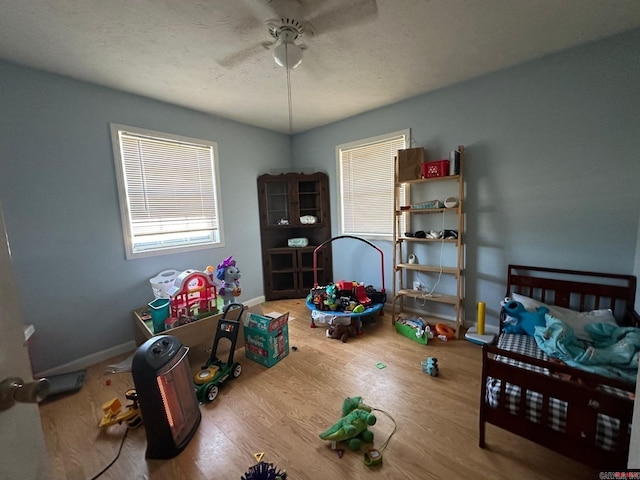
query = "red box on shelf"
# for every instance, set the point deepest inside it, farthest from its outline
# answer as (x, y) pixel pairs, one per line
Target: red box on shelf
(439, 168)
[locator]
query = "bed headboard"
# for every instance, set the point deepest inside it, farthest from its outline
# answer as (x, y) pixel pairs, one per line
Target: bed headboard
(578, 290)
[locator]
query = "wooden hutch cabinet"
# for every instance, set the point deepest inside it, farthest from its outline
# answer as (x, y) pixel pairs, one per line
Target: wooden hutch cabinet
(294, 206)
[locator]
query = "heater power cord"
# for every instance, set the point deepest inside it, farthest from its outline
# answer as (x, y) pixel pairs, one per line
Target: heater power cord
(116, 457)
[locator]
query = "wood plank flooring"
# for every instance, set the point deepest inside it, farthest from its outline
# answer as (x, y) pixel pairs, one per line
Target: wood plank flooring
(281, 411)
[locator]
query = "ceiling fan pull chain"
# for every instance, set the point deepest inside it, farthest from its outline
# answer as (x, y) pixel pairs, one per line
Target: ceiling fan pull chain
(289, 91)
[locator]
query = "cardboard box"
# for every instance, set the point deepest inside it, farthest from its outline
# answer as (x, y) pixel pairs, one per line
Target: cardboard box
(266, 338)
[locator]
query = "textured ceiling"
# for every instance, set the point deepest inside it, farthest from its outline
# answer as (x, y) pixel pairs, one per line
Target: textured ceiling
(206, 54)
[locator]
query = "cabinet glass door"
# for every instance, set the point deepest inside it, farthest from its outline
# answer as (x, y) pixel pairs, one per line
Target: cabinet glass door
(278, 203)
(309, 201)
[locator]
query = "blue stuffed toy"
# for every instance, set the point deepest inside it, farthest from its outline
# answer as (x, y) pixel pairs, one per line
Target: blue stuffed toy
(525, 321)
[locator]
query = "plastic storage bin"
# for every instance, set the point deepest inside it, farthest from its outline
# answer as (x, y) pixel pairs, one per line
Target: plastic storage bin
(411, 332)
(159, 310)
(162, 282)
(439, 168)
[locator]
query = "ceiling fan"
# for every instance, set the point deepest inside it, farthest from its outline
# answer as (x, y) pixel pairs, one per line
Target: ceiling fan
(286, 53)
(288, 21)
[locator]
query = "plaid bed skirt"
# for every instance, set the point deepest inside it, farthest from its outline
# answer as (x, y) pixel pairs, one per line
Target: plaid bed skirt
(607, 427)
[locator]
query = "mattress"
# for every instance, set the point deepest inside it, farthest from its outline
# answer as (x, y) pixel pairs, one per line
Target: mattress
(607, 427)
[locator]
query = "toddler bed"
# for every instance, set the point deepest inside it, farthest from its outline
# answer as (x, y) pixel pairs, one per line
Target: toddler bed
(580, 414)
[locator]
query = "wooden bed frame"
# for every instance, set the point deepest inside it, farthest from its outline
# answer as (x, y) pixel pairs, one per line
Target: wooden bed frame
(581, 390)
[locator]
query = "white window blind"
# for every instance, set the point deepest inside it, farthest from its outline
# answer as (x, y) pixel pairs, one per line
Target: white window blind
(366, 172)
(169, 191)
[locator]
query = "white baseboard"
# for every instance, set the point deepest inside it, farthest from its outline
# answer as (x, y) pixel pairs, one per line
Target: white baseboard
(89, 360)
(255, 301)
(101, 356)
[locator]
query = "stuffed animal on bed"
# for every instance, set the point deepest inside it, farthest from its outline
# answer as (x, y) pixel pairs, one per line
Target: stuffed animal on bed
(525, 321)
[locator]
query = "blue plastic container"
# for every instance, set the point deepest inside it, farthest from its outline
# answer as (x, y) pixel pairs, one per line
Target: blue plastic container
(159, 310)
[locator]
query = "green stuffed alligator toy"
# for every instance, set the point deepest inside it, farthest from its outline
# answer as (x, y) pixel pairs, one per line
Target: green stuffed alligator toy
(352, 428)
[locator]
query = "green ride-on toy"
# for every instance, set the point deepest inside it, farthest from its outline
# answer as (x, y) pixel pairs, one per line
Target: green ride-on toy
(214, 372)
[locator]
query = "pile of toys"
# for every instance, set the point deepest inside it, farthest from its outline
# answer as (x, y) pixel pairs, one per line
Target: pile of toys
(344, 296)
(184, 297)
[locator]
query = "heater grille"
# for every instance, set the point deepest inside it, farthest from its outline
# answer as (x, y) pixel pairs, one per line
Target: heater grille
(173, 381)
(168, 403)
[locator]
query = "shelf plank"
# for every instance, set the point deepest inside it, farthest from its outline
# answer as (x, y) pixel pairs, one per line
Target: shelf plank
(428, 268)
(427, 210)
(427, 240)
(432, 179)
(309, 248)
(437, 297)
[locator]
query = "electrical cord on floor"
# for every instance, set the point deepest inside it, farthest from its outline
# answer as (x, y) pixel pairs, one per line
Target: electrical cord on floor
(373, 457)
(116, 457)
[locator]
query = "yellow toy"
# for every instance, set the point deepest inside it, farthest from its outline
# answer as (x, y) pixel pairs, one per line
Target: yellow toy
(113, 413)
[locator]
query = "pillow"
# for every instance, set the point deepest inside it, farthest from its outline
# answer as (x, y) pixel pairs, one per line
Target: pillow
(572, 318)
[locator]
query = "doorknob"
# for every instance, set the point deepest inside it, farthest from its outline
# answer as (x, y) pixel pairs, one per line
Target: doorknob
(13, 389)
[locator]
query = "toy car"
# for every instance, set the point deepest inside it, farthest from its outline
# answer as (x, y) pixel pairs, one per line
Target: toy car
(215, 372)
(113, 412)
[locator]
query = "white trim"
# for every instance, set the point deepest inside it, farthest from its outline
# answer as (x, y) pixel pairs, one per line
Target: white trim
(378, 138)
(361, 143)
(115, 129)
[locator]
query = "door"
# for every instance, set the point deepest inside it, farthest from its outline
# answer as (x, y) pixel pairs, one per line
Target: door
(22, 450)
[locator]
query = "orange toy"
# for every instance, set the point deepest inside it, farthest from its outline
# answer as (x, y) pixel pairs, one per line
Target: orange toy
(445, 330)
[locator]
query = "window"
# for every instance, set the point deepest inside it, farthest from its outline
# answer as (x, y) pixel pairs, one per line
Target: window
(366, 183)
(169, 191)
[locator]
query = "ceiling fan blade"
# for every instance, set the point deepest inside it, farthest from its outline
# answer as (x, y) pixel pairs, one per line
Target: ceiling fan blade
(262, 10)
(344, 16)
(313, 67)
(242, 55)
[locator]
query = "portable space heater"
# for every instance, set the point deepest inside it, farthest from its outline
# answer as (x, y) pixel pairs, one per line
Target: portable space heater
(168, 403)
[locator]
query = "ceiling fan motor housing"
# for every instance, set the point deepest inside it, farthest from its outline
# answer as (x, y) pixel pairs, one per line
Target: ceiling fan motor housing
(287, 26)
(287, 54)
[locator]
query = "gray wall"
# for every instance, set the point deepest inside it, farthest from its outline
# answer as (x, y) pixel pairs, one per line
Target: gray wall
(551, 165)
(551, 180)
(58, 189)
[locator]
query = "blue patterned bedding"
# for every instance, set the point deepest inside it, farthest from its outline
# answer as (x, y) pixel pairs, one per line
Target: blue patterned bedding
(607, 427)
(612, 352)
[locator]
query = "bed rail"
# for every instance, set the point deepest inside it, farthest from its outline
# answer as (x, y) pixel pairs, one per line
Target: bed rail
(585, 398)
(578, 290)
(588, 396)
